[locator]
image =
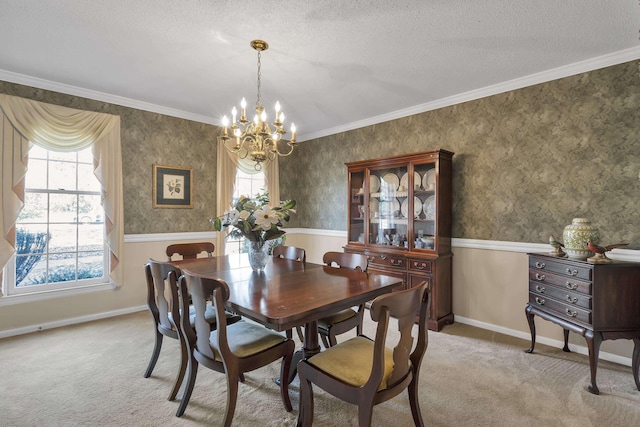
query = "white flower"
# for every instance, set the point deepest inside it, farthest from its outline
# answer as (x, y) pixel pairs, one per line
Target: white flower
(266, 218)
(244, 215)
(231, 217)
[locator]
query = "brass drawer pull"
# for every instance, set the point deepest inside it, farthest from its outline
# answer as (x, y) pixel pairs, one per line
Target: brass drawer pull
(571, 272)
(539, 301)
(420, 266)
(383, 257)
(540, 277)
(572, 300)
(570, 313)
(396, 262)
(571, 286)
(540, 289)
(540, 264)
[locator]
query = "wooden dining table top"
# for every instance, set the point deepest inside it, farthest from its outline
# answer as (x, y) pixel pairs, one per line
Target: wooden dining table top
(289, 293)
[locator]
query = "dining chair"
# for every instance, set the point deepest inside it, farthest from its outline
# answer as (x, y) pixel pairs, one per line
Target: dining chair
(190, 250)
(231, 349)
(347, 319)
(295, 254)
(165, 311)
(367, 372)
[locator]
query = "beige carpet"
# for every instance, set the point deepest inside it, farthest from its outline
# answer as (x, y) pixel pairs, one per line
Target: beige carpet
(91, 375)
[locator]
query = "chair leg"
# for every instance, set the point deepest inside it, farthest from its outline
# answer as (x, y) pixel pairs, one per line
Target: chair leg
(300, 333)
(289, 334)
(365, 413)
(184, 361)
(232, 395)
(305, 408)
(285, 367)
(192, 372)
(415, 403)
(332, 339)
(325, 343)
(154, 355)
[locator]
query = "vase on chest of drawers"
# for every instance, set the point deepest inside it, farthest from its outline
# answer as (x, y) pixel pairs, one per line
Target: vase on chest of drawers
(575, 236)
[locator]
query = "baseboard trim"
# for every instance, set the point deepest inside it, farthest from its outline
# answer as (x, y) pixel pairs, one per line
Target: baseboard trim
(626, 361)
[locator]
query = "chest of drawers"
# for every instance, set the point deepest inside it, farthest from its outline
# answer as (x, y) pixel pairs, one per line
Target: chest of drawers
(597, 301)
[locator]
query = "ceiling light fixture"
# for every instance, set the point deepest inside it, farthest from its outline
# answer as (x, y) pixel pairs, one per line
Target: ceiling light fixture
(256, 139)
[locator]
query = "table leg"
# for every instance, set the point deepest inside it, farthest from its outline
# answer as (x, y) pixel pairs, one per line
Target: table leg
(566, 341)
(636, 361)
(594, 339)
(532, 327)
(310, 347)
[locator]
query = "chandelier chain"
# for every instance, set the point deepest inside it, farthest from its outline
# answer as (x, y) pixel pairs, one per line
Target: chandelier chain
(258, 102)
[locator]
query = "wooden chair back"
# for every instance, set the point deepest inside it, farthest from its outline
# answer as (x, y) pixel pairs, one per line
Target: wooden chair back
(190, 250)
(290, 252)
(161, 298)
(346, 260)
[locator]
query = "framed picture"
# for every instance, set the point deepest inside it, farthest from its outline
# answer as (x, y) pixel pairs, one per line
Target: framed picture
(172, 187)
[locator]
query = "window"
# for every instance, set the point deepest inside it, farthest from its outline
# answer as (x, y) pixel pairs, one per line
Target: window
(60, 241)
(247, 185)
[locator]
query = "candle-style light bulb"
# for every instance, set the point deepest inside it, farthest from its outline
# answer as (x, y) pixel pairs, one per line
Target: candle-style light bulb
(281, 117)
(293, 132)
(234, 113)
(277, 111)
(225, 123)
(243, 106)
(263, 116)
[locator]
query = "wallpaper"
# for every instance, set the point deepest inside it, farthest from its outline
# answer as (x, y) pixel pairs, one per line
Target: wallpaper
(526, 162)
(148, 139)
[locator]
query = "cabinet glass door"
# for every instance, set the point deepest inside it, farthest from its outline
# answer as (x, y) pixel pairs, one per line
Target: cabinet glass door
(388, 206)
(357, 206)
(424, 206)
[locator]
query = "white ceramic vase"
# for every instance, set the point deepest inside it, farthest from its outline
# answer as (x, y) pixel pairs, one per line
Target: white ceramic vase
(575, 238)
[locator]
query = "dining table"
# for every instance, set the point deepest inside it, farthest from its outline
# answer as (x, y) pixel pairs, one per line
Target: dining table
(290, 293)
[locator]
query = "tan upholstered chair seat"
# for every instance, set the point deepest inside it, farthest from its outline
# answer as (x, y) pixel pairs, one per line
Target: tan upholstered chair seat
(351, 361)
(246, 339)
(338, 317)
(209, 316)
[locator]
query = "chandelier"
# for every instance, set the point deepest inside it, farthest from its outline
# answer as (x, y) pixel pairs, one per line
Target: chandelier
(257, 139)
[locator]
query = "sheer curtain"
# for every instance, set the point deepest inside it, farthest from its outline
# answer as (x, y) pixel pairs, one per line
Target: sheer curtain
(228, 164)
(25, 122)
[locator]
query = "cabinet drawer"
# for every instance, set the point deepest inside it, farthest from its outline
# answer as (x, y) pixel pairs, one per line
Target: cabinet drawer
(388, 260)
(566, 269)
(564, 295)
(564, 282)
(565, 311)
(420, 265)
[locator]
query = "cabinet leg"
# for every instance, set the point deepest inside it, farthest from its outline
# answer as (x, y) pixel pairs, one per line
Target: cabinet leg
(532, 327)
(594, 339)
(636, 361)
(566, 341)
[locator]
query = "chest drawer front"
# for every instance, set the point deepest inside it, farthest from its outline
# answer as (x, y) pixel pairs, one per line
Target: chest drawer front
(563, 282)
(566, 296)
(388, 260)
(565, 311)
(420, 265)
(575, 270)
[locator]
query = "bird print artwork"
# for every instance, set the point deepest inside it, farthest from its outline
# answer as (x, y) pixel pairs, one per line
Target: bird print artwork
(600, 251)
(557, 247)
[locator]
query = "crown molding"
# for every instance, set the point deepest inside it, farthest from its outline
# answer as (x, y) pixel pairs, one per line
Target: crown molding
(615, 58)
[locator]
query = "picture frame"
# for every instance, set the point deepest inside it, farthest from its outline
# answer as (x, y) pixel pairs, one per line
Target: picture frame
(172, 187)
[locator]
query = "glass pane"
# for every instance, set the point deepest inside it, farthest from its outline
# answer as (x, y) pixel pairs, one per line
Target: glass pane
(90, 265)
(90, 237)
(63, 237)
(87, 181)
(36, 176)
(357, 207)
(62, 208)
(37, 152)
(31, 239)
(425, 206)
(30, 270)
(62, 268)
(85, 156)
(35, 208)
(388, 213)
(62, 176)
(61, 155)
(89, 209)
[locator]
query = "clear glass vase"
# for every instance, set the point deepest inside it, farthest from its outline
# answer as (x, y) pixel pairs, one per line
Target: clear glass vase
(258, 255)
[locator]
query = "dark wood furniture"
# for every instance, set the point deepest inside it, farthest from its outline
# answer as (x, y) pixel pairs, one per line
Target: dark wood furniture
(166, 315)
(295, 254)
(290, 293)
(366, 372)
(399, 216)
(190, 250)
(598, 301)
(347, 319)
(231, 349)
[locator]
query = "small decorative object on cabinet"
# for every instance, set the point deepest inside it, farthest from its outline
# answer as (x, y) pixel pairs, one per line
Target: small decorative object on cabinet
(598, 301)
(575, 238)
(400, 217)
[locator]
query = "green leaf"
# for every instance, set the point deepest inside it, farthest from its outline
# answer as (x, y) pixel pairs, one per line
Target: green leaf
(217, 224)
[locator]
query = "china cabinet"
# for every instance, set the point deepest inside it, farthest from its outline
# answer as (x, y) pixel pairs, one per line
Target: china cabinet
(399, 215)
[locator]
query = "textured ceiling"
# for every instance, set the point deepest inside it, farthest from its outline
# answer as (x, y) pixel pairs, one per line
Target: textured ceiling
(333, 65)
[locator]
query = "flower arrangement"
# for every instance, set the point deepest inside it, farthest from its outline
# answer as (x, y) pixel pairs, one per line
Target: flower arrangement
(255, 219)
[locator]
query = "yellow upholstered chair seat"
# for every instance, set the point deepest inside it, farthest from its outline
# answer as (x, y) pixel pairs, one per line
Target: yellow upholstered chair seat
(352, 360)
(338, 317)
(246, 339)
